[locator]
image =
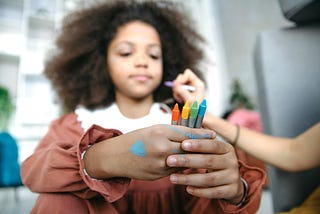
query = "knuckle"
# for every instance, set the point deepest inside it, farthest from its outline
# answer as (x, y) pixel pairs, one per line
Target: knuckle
(209, 179)
(235, 163)
(183, 159)
(234, 177)
(162, 148)
(182, 180)
(229, 147)
(209, 162)
(220, 193)
(233, 190)
(157, 130)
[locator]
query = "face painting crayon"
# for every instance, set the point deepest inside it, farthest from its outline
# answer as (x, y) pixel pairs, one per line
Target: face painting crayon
(186, 87)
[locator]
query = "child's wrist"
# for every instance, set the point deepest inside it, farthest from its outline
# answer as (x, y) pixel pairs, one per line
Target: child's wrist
(241, 200)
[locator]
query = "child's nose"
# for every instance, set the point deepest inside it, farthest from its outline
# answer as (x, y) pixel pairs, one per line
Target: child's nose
(141, 60)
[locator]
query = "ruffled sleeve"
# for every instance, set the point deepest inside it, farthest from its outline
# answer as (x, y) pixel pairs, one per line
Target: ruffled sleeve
(56, 164)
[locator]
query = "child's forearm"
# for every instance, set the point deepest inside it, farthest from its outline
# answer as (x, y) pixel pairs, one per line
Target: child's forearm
(221, 126)
(272, 150)
(306, 147)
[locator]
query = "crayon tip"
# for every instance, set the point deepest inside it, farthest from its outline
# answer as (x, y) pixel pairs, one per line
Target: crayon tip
(168, 83)
(194, 110)
(202, 108)
(175, 112)
(185, 110)
(187, 87)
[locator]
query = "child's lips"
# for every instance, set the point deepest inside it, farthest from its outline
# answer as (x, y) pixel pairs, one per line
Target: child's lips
(141, 78)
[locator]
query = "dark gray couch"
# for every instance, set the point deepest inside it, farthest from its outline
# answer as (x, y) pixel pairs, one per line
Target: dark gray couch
(287, 65)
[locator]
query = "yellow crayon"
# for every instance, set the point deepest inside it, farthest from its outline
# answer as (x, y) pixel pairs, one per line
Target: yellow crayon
(185, 114)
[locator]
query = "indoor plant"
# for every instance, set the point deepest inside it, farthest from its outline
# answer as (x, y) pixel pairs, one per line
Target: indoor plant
(6, 108)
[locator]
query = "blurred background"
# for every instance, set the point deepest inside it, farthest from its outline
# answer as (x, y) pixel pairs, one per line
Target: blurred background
(27, 32)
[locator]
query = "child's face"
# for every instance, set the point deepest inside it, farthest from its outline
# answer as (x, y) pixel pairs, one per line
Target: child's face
(135, 60)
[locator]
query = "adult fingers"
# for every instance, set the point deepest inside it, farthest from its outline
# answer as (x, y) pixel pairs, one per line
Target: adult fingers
(189, 78)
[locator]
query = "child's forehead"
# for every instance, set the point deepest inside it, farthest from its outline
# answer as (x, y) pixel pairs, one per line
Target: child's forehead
(137, 31)
(136, 26)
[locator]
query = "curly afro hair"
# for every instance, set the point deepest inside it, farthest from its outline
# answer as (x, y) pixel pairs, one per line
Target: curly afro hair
(78, 69)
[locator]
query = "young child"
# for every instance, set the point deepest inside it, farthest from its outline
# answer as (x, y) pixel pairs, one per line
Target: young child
(107, 155)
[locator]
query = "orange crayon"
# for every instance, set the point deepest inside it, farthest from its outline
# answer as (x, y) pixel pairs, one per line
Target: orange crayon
(175, 115)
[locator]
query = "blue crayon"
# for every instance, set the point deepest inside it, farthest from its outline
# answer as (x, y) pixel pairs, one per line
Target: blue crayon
(201, 112)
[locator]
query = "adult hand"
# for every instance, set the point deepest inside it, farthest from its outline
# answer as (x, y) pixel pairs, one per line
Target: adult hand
(189, 78)
(221, 179)
(140, 154)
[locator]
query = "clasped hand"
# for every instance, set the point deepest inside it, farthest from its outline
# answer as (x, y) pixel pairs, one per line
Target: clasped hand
(220, 178)
(161, 150)
(208, 167)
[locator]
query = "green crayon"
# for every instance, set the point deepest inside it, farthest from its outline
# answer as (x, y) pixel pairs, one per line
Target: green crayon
(193, 115)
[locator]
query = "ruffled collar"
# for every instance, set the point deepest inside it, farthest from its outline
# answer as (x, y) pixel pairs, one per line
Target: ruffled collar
(111, 117)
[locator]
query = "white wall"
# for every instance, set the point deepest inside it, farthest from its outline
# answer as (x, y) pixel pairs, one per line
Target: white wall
(9, 73)
(202, 11)
(238, 22)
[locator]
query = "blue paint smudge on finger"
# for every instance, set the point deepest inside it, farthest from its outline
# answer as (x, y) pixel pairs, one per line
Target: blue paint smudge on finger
(138, 149)
(191, 135)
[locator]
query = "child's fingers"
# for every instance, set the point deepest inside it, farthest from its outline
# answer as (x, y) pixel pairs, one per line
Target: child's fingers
(181, 133)
(206, 146)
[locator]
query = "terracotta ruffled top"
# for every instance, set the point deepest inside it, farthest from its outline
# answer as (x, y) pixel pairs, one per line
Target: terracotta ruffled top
(56, 171)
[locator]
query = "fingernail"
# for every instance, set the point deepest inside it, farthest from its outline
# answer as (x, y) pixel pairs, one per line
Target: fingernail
(187, 145)
(171, 161)
(173, 179)
(189, 190)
